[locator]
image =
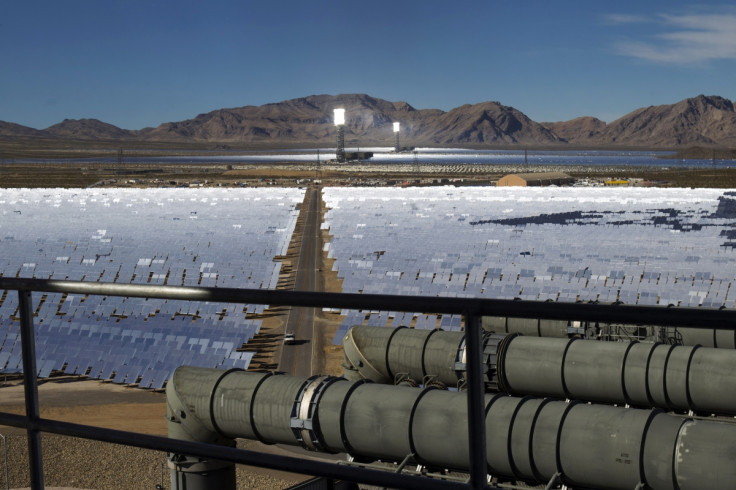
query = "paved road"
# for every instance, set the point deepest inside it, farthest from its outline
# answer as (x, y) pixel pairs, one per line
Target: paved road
(297, 359)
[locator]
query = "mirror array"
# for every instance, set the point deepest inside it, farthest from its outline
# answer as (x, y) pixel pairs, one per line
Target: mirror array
(180, 237)
(646, 246)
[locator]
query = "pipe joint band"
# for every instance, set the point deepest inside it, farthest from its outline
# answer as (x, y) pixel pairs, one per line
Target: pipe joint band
(412, 447)
(461, 360)
(343, 408)
(688, 395)
(567, 393)
(652, 414)
(212, 399)
(304, 423)
(388, 348)
(491, 351)
(501, 379)
(424, 351)
(251, 415)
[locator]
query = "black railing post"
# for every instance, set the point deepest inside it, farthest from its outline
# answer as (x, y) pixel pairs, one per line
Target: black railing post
(476, 401)
(28, 349)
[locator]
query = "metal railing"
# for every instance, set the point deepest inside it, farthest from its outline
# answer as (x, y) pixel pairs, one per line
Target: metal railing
(472, 310)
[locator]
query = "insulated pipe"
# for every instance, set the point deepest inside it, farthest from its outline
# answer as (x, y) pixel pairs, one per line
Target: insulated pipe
(672, 377)
(383, 355)
(723, 339)
(186, 409)
(528, 439)
(536, 327)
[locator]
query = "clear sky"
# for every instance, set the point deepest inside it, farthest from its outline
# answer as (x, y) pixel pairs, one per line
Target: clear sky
(138, 63)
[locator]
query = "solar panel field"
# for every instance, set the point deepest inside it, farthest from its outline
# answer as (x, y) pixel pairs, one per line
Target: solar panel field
(198, 237)
(635, 246)
(641, 246)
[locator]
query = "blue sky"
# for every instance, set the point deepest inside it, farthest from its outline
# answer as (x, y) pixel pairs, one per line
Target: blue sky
(138, 63)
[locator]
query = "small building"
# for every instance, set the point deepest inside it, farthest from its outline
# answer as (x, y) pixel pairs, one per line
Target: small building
(615, 182)
(535, 179)
(358, 155)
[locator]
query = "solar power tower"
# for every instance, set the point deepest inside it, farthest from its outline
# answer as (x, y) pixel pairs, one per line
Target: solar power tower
(397, 148)
(340, 124)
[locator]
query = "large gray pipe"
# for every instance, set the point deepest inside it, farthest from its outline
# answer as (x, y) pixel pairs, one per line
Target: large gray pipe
(672, 377)
(183, 402)
(539, 327)
(528, 439)
(534, 327)
(714, 337)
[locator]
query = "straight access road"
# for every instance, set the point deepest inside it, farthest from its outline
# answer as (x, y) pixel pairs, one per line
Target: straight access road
(297, 359)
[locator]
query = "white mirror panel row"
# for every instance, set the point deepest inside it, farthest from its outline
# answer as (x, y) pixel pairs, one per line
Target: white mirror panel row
(649, 246)
(183, 237)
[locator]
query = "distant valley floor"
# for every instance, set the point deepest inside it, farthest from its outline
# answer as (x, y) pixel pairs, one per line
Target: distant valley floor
(291, 174)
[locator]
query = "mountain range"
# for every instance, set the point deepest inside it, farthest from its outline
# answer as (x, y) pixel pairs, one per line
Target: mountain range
(698, 121)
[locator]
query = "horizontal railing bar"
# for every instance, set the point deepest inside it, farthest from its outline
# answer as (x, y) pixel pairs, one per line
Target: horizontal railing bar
(233, 455)
(612, 313)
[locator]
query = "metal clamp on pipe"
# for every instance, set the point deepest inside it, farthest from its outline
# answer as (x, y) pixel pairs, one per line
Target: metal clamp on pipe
(193, 464)
(502, 384)
(303, 415)
(489, 361)
(491, 345)
(461, 360)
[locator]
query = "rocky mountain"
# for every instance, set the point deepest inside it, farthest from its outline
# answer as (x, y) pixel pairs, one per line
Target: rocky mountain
(698, 121)
(485, 123)
(16, 130)
(584, 129)
(369, 121)
(703, 120)
(87, 129)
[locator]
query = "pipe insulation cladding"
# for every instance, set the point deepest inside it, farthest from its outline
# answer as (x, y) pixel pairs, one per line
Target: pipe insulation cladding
(671, 377)
(540, 327)
(528, 439)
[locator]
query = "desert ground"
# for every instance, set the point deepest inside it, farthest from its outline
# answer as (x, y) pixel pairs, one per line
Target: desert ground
(53, 174)
(93, 465)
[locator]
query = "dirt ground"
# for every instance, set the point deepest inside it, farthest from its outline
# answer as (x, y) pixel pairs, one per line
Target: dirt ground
(71, 399)
(14, 174)
(102, 404)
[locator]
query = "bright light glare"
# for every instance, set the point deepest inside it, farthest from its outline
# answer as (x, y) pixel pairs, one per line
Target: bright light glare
(396, 127)
(339, 117)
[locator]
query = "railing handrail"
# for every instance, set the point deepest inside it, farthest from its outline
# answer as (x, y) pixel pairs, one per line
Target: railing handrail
(701, 317)
(291, 464)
